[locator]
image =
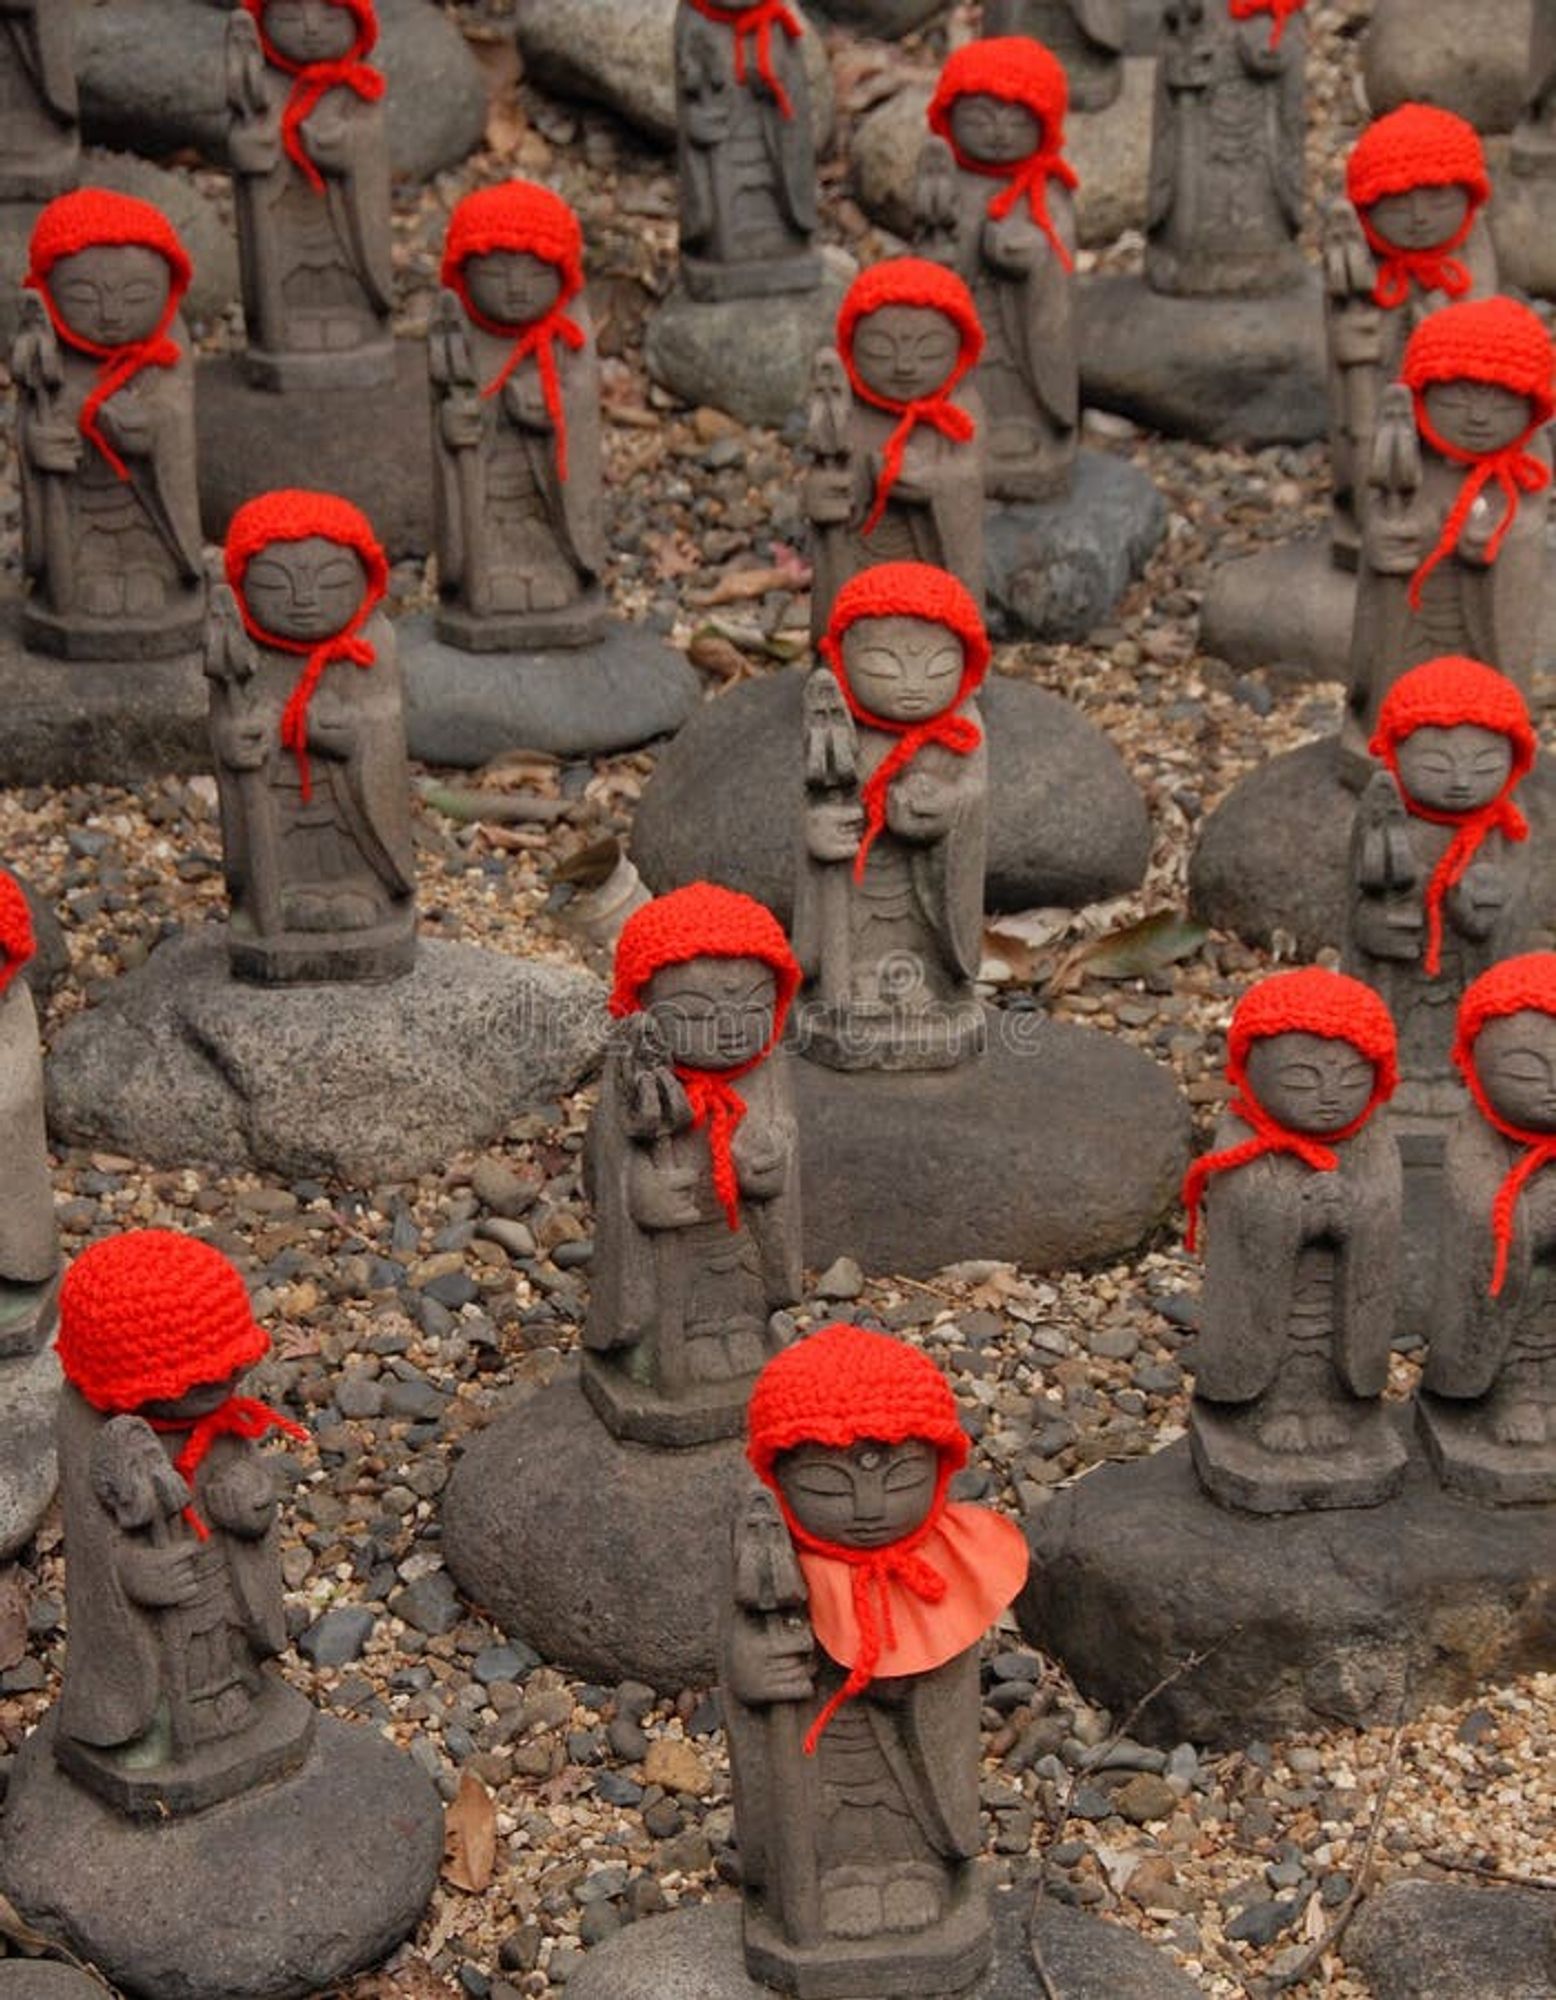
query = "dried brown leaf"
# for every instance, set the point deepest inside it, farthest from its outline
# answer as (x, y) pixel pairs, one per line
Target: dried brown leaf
(15, 1599)
(470, 1837)
(714, 654)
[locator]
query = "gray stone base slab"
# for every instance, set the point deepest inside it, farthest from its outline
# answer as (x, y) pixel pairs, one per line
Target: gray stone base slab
(462, 708)
(33, 1979)
(372, 446)
(1305, 1620)
(276, 1894)
(1236, 1470)
(1059, 1146)
(1057, 568)
(1469, 1460)
(608, 1557)
(751, 358)
(1289, 607)
(29, 1399)
(1223, 370)
(696, 1954)
(1273, 855)
(181, 1062)
(1447, 1941)
(1067, 824)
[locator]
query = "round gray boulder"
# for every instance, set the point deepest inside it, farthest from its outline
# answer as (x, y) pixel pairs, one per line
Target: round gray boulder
(1432, 52)
(1435, 1940)
(752, 358)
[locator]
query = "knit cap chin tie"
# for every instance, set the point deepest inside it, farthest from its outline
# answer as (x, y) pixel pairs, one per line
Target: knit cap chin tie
(313, 81)
(1414, 148)
(1513, 986)
(1434, 269)
(1515, 470)
(1281, 10)
(756, 24)
(239, 1416)
(1018, 70)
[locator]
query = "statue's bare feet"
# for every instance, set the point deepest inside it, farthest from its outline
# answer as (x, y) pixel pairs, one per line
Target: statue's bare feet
(102, 594)
(307, 910)
(912, 1902)
(852, 1909)
(1327, 1431)
(1285, 1432)
(1518, 1423)
(144, 595)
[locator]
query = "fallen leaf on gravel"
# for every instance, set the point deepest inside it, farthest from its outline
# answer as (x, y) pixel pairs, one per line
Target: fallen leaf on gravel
(715, 654)
(470, 1836)
(742, 584)
(1150, 945)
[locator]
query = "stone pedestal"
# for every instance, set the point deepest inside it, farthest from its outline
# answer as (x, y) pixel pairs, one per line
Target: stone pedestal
(751, 358)
(463, 708)
(1066, 822)
(1289, 606)
(609, 1558)
(1437, 1940)
(1225, 370)
(1305, 1620)
(1057, 568)
(1469, 1461)
(29, 1398)
(278, 1893)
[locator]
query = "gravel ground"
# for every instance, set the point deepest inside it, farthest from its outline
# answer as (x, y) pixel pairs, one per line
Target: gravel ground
(404, 1314)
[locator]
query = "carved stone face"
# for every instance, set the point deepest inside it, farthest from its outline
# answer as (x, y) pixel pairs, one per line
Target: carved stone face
(714, 1013)
(1421, 219)
(194, 1403)
(112, 294)
(902, 669)
(903, 353)
(1515, 1059)
(305, 590)
(1477, 416)
(1188, 48)
(865, 1497)
(1310, 1083)
(993, 131)
(1454, 770)
(310, 31)
(512, 287)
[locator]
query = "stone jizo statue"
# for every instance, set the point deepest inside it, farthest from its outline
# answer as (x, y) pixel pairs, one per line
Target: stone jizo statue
(745, 149)
(860, 1593)
(173, 1573)
(105, 434)
(994, 204)
(1303, 1197)
(29, 1236)
(696, 1169)
(1086, 35)
(1225, 202)
(40, 147)
(516, 428)
(897, 434)
(311, 182)
(308, 732)
(889, 901)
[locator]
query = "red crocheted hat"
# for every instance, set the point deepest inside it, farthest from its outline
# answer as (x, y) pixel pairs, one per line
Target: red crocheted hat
(909, 590)
(1281, 11)
(363, 12)
(701, 920)
(514, 215)
(1017, 70)
(148, 1316)
(1526, 984)
(18, 945)
(1494, 340)
(1447, 693)
(910, 281)
(1417, 146)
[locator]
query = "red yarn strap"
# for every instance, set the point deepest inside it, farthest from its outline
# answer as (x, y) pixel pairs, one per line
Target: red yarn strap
(1504, 1210)
(938, 410)
(1029, 177)
(719, 1108)
(757, 21)
(540, 340)
(1514, 470)
(312, 83)
(1270, 1136)
(958, 733)
(1434, 269)
(294, 717)
(1248, 10)
(239, 1416)
(1501, 816)
(120, 366)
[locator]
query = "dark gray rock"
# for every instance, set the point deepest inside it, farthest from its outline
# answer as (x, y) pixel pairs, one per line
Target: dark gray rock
(1142, 26)
(153, 81)
(1057, 568)
(1274, 854)
(1288, 606)
(50, 963)
(372, 446)
(29, 1400)
(364, 1082)
(749, 357)
(272, 1895)
(1224, 371)
(1523, 224)
(339, 1637)
(430, 1604)
(886, 18)
(1417, 52)
(1445, 1941)
(1307, 1619)
(621, 56)
(1066, 822)
(28, 1979)
(467, 708)
(606, 1556)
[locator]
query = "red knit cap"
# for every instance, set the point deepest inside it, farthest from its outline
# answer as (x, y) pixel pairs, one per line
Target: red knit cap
(908, 590)
(755, 23)
(840, 1387)
(1017, 70)
(522, 217)
(1447, 694)
(1493, 340)
(1309, 1002)
(314, 80)
(1417, 146)
(291, 515)
(83, 221)
(1514, 986)
(703, 920)
(150, 1315)
(1281, 10)
(912, 281)
(18, 946)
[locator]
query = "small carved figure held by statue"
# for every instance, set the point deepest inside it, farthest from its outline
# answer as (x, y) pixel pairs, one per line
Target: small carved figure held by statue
(40, 145)
(308, 733)
(1409, 238)
(105, 434)
(897, 433)
(1087, 36)
(696, 1169)
(311, 180)
(1453, 534)
(1303, 1198)
(1488, 1407)
(994, 204)
(889, 899)
(860, 1593)
(29, 1235)
(746, 152)
(1225, 202)
(516, 428)
(173, 1573)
